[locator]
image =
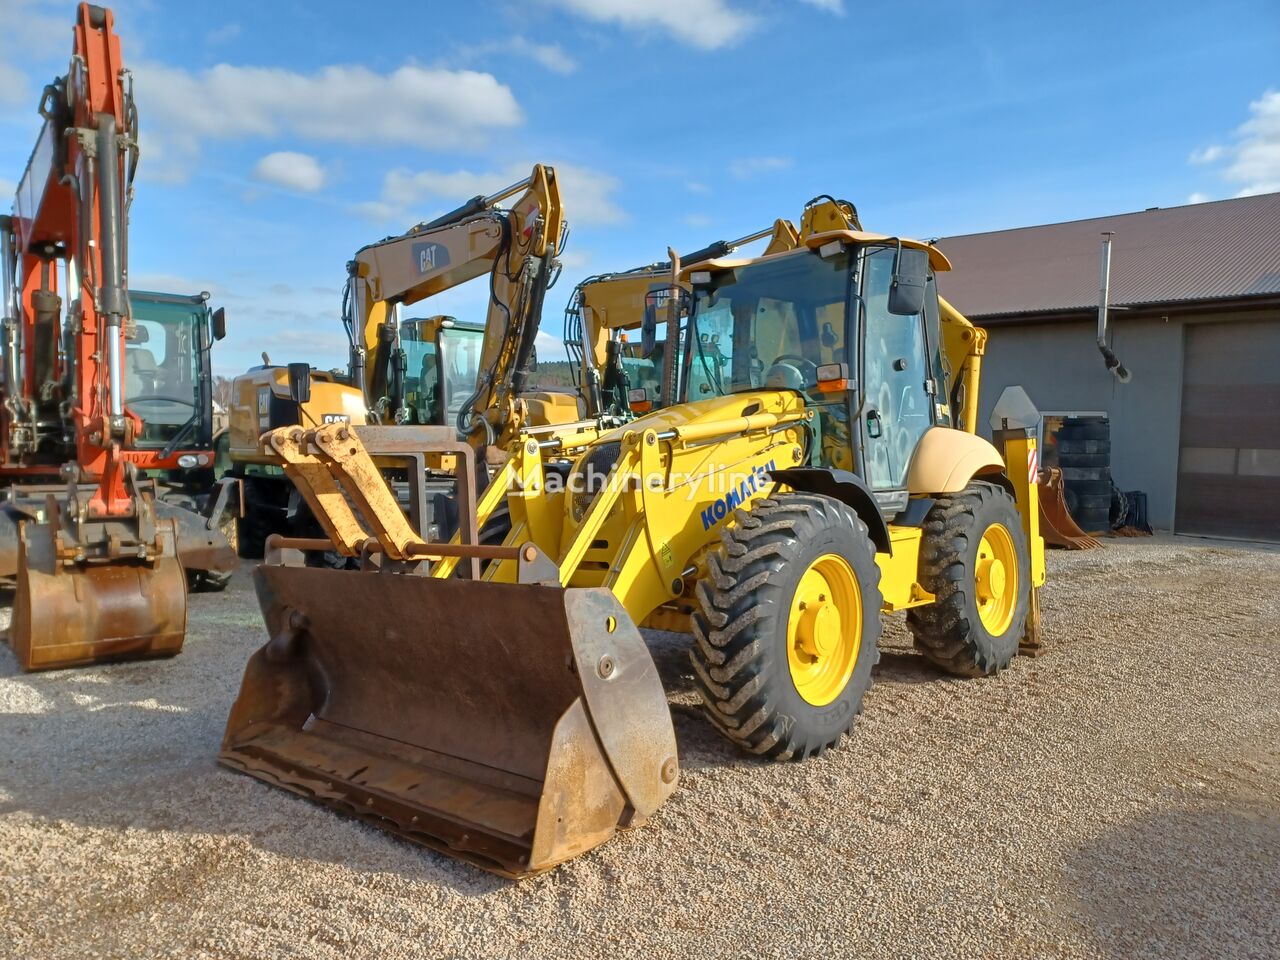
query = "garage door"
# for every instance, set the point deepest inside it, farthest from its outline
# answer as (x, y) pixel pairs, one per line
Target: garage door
(1229, 464)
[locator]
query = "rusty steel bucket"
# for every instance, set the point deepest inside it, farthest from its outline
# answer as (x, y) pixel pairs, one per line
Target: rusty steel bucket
(510, 725)
(68, 614)
(1056, 525)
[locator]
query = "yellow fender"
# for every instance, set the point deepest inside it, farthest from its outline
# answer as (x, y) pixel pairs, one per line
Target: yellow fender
(946, 460)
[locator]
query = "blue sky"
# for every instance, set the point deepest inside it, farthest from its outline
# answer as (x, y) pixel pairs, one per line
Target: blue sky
(279, 137)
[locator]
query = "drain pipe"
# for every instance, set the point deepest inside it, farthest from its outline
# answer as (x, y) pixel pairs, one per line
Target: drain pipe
(1114, 366)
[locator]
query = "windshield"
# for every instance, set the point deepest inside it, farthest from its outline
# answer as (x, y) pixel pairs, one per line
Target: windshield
(162, 366)
(459, 349)
(769, 324)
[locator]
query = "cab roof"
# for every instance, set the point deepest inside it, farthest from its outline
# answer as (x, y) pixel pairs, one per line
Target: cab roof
(937, 259)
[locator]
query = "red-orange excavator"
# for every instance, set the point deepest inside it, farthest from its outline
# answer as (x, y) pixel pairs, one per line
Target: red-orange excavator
(99, 561)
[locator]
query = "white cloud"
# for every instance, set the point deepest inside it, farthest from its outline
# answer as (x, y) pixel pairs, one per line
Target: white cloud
(709, 24)
(30, 32)
(1207, 155)
(293, 171)
(406, 195)
(1198, 197)
(415, 106)
(33, 29)
(223, 34)
(550, 56)
(830, 6)
(694, 186)
(576, 259)
(747, 167)
(553, 58)
(171, 283)
(13, 84)
(379, 211)
(697, 220)
(1253, 160)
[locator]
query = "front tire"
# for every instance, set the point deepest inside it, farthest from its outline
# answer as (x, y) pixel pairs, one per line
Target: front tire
(974, 559)
(786, 630)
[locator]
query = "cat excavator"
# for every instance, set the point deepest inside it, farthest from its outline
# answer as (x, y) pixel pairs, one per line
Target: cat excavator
(101, 561)
(813, 475)
(405, 371)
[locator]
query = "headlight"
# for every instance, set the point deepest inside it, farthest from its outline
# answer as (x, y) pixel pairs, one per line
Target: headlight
(187, 461)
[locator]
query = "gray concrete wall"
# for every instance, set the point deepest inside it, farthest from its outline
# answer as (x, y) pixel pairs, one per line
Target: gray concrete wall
(1060, 368)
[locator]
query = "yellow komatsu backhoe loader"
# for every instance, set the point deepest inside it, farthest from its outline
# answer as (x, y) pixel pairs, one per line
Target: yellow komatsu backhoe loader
(820, 471)
(619, 378)
(416, 371)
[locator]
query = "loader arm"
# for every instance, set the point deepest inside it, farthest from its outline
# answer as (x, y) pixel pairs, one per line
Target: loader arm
(515, 246)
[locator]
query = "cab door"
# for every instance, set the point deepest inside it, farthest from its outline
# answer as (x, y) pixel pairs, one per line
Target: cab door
(898, 382)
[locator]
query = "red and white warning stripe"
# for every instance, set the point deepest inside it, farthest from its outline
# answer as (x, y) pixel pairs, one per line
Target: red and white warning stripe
(1033, 464)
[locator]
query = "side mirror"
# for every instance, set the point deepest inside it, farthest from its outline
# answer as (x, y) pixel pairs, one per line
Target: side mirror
(300, 382)
(649, 329)
(533, 359)
(219, 323)
(910, 275)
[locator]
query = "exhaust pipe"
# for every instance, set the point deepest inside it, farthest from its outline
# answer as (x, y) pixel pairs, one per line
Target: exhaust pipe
(1114, 366)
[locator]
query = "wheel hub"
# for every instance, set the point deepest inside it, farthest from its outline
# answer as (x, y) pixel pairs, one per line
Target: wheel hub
(995, 573)
(819, 630)
(824, 630)
(991, 578)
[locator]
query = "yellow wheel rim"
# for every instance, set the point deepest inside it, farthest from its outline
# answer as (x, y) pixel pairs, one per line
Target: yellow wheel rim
(996, 579)
(824, 630)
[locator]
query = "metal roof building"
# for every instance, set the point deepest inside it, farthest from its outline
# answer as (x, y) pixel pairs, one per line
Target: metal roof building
(1194, 314)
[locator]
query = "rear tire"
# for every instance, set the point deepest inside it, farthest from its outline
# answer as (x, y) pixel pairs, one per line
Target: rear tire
(1083, 461)
(976, 624)
(753, 621)
(496, 528)
(1086, 430)
(252, 531)
(1068, 449)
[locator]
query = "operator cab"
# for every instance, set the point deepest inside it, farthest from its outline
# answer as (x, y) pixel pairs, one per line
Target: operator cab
(441, 363)
(852, 324)
(167, 376)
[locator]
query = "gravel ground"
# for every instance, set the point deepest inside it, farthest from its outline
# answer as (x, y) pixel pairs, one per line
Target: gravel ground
(1118, 796)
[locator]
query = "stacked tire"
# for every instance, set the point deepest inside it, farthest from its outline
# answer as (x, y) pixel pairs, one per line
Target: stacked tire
(1084, 454)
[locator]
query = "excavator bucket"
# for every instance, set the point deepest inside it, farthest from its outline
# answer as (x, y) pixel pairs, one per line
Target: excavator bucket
(68, 614)
(510, 725)
(1056, 525)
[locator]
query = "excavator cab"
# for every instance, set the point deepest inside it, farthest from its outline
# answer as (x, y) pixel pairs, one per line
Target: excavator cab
(442, 361)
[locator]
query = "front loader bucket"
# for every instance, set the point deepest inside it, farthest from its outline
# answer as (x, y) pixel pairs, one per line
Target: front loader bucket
(67, 615)
(511, 725)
